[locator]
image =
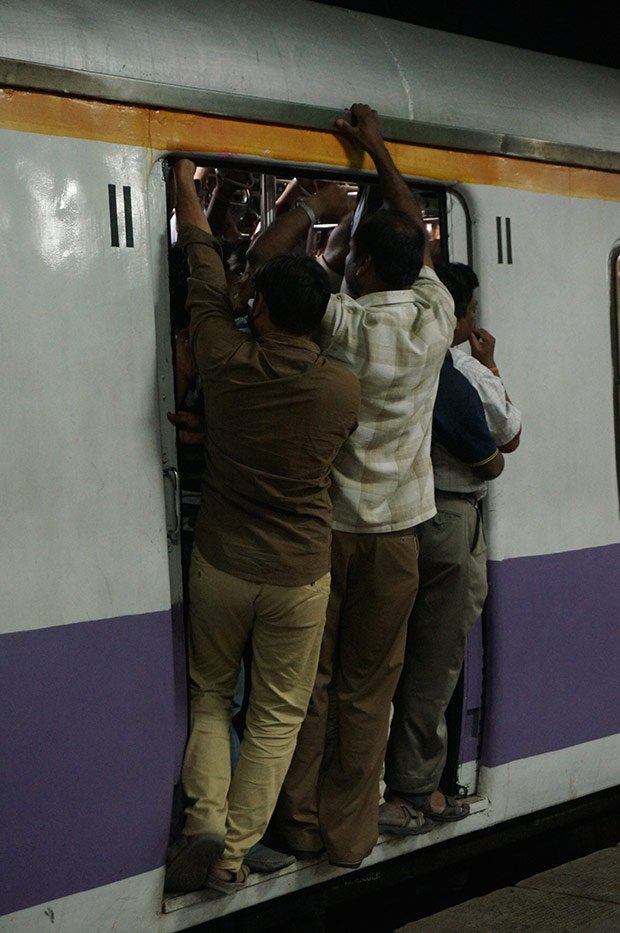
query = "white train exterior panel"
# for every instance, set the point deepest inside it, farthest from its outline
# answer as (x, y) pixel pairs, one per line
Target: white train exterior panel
(549, 310)
(86, 510)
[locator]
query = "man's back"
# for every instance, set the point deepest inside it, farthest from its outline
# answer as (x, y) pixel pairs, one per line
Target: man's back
(276, 413)
(394, 342)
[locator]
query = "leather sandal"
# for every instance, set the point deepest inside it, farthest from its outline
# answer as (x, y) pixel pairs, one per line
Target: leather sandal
(402, 819)
(235, 883)
(454, 809)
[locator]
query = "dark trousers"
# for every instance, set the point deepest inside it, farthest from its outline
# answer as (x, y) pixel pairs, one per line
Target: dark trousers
(374, 585)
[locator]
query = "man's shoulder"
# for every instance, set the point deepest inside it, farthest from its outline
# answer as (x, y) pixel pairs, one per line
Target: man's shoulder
(428, 280)
(340, 376)
(454, 388)
(430, 292)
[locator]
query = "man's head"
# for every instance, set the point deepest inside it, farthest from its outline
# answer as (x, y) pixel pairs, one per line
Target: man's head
(386, 253)
(462, 282)
(291, 295)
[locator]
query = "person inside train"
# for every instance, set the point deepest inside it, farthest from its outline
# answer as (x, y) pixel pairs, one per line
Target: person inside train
(453, 582)
(394, 335)
(277, 412)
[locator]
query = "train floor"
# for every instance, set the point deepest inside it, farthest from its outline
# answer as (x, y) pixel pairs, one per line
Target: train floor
(411, 888)
(583, 895)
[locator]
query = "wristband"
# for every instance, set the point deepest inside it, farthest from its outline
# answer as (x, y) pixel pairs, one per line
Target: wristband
(306, 207)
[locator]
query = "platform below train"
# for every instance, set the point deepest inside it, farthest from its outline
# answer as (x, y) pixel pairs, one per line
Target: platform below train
(582, 896)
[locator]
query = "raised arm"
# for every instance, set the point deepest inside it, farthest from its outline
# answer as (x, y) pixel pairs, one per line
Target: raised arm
(329, 204)
(218, 210)
(188, 205)
(363, 132)
(213, 336)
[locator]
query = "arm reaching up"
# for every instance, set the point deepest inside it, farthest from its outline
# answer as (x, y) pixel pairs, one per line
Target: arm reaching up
(329, 204)
(363, 131)
(188, 205)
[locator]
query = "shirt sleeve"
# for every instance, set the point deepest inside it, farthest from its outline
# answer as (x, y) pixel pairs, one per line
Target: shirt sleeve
(459, 423)
(337, 334)
(429, 288)
(503, 418)
(213, 335)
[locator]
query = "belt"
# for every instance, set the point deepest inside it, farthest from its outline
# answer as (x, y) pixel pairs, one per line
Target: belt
(473, 500)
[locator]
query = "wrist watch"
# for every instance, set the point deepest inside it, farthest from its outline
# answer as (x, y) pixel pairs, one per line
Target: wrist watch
(306, 207)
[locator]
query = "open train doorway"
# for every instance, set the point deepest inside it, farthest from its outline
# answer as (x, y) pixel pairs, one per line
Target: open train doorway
(241, 199)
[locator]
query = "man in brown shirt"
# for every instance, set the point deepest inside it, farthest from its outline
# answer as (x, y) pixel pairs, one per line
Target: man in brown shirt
(276, 415)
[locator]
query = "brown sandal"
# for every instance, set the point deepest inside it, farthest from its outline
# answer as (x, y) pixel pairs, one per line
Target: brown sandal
(236, 882)
(402, 819)
(454, 809)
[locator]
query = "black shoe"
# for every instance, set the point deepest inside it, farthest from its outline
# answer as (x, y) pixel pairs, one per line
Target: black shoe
(187, 869)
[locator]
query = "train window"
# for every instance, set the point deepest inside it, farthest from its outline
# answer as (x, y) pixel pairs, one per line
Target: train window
(615, 345)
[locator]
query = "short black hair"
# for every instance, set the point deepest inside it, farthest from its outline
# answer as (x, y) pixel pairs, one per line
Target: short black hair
(460, 280)
(395, 243)
(296, 290)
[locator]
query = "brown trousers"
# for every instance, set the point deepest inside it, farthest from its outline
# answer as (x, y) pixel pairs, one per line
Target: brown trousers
(335, 803)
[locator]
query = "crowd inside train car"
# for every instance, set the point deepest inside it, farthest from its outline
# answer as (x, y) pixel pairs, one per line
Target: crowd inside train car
(347, 445)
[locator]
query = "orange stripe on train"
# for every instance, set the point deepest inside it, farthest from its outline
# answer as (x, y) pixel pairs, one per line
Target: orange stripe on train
(173, 131)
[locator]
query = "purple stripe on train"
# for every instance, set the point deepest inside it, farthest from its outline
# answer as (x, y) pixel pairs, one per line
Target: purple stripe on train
(553, 653)
(88, 735)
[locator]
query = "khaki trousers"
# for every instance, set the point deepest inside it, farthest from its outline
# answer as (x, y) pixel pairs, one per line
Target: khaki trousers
(286, 624)
(453, 587)
(374, 583)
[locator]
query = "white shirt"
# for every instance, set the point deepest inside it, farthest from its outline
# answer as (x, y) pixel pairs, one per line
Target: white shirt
(503, 419)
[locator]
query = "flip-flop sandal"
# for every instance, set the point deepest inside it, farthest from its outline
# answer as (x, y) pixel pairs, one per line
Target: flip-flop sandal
(454, 809)
(228, 887)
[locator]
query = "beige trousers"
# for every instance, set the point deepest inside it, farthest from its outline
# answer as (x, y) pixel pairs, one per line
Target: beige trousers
(286, 624)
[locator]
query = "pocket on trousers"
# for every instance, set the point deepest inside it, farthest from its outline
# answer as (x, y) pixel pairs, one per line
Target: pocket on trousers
(479, 541)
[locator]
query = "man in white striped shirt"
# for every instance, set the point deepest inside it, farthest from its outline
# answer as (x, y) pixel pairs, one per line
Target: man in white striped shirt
(394, 336)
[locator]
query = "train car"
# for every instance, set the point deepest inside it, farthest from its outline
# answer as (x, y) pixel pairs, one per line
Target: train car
(517, 155)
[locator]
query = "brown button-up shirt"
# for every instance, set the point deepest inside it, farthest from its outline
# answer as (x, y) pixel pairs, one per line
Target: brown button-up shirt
(277, 413)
